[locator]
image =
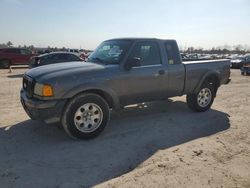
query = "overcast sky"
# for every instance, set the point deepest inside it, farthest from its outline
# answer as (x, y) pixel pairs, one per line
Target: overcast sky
(85, 23)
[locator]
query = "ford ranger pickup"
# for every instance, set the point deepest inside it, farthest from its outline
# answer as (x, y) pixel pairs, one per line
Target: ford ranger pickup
(118, 73)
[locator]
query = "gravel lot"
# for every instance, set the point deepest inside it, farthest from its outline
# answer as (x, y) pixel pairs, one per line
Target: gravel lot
(160, 144)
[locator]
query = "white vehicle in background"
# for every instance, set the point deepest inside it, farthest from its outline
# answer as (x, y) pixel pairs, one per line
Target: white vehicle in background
(205, 56)
(75, 51)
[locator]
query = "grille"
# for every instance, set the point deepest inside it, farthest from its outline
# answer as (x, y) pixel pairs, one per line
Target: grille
(28, 85)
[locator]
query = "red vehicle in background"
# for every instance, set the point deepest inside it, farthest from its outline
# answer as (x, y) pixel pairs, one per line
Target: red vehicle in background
(14, 56)
(84, 54)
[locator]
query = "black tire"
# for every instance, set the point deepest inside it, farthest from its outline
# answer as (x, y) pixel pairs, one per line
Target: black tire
(5, 63)
(192, 99)
(68, 118)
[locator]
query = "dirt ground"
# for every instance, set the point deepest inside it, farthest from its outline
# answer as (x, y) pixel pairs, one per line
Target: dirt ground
(160, 144)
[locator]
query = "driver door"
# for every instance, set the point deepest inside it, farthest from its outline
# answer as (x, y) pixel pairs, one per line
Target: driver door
(146, 81)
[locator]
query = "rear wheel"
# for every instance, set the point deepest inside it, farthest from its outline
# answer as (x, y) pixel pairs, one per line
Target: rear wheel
(5, 63)
(202, 100)
(85, 116)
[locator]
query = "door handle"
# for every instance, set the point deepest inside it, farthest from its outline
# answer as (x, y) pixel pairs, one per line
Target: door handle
(161, 72)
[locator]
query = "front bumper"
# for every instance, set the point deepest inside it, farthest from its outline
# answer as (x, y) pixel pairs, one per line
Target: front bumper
(48, 111)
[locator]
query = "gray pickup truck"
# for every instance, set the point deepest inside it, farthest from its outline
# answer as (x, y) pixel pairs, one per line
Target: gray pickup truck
(119, 72)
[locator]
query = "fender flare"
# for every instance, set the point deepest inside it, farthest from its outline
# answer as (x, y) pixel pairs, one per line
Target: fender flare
(214, 74)
(97, 87)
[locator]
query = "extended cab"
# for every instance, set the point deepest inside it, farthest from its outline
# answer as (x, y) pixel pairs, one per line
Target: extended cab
(14, 56)
(118, 73)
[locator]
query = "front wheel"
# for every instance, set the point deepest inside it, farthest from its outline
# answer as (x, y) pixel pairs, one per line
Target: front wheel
(85, 116)
(5, 64)
(202, 100)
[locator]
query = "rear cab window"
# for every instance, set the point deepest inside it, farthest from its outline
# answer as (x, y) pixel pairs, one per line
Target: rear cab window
(172, 51)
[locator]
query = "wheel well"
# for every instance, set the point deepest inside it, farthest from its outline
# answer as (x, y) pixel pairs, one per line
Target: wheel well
(5, 60)
(214, 80)
(103, 94)
(2, 60)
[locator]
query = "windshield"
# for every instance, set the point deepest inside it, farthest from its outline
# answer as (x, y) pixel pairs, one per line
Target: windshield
(110, 52)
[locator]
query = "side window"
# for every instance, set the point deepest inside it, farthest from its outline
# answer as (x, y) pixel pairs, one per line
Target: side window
(56, 58)
(172, 53)
(13, 51)
(72, 57)
(25, 52)
(47, 59)
(60, 57)
(147, 52)
(67, 57)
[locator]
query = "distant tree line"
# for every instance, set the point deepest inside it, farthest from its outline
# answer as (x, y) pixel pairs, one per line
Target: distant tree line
(226, 49)
(9, 44)
(47, 49)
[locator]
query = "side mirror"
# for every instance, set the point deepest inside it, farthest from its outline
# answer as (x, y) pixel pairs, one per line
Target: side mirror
(133, 62)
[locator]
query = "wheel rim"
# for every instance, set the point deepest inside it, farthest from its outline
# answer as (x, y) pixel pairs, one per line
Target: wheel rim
(204, 97)
(88, 117)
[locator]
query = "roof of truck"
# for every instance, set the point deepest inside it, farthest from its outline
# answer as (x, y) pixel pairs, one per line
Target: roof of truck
(139, 38)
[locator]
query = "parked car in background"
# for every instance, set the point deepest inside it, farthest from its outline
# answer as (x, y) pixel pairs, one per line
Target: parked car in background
(205, 57)
(74, 51)
(245, 69)
(184, 56)
(237, 62)
(247, 58)
(51, 58)
(14, 56)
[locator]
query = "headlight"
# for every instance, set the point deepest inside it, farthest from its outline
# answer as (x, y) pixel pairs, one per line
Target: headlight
(43, 90)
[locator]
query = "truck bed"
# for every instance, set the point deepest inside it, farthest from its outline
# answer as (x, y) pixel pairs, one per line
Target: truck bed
(195, 71)
(205, 61)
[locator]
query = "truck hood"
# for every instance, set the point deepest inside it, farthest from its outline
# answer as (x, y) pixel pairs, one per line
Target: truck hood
(60, 69)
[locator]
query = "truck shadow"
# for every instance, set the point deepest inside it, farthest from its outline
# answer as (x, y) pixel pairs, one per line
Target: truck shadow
(41, 154)
(15, 76)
